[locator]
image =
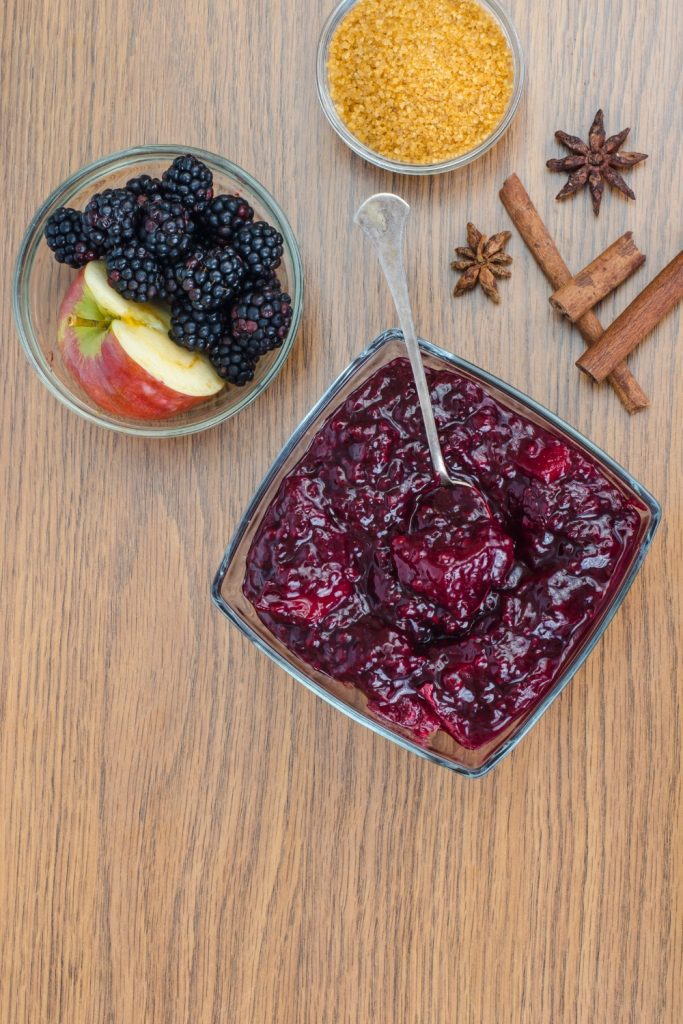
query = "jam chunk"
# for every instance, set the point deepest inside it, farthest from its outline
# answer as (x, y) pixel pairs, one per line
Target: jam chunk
(455, 553)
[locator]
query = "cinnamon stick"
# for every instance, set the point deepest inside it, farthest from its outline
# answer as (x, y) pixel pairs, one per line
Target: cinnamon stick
(636, 322)
(534, 232)
(598, 279)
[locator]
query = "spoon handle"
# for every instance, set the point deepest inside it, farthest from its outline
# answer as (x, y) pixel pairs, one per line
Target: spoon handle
(383, 219)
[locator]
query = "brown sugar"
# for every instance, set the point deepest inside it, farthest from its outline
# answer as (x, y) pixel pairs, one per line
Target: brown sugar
(420, 81)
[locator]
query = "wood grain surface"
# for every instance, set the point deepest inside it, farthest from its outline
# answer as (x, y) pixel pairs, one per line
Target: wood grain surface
(187, 835)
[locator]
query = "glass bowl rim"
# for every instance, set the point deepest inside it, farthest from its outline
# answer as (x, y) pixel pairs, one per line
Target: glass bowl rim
(398, 166)
(528, 403)
(90, 174)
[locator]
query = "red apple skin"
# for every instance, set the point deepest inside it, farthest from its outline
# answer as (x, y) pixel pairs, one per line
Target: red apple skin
(110, 377)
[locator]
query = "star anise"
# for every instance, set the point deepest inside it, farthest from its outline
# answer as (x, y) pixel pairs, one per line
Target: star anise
(595, 163)
(482, 260)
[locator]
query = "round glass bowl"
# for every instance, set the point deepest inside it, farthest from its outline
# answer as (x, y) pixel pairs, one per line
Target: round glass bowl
(501, 17)
(40, 283)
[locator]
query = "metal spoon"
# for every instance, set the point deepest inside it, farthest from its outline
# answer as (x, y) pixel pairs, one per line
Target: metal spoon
(383, 219)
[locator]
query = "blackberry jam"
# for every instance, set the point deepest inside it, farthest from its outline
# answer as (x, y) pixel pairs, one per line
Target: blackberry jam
(448, 611)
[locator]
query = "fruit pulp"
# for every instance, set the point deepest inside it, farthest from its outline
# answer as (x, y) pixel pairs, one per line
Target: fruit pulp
(445, 614)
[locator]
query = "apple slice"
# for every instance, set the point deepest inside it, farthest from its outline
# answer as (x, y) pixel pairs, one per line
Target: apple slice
(120, 352)
(109, 301)
(188, 373)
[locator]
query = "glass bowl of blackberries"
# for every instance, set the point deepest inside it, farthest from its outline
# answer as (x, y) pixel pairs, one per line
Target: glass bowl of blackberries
(158, 291)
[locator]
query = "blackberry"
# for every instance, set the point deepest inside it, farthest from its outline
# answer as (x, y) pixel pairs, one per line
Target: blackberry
(269, 280)
(260, 320)
(224, 216)
(188, 181)
(210, 277)
(134, 272)
(166, 229)
(110, 218)
(260, 246)
(233, 363)
(169, 287)
(144, 188)
(196, 329)
(64, 235)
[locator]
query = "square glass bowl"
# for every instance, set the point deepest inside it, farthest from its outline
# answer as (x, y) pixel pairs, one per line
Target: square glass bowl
(439, 747)
(40, 283)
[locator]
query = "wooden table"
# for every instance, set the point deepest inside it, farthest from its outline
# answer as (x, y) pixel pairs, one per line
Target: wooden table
(187, 834)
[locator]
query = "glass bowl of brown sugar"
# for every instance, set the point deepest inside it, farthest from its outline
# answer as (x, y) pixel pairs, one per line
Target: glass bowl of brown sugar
(419, 86)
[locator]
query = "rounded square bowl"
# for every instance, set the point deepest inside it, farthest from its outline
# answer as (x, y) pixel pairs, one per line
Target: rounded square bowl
(228, 594)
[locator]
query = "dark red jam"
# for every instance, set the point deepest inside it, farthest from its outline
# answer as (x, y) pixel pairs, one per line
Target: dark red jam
(447, 609)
